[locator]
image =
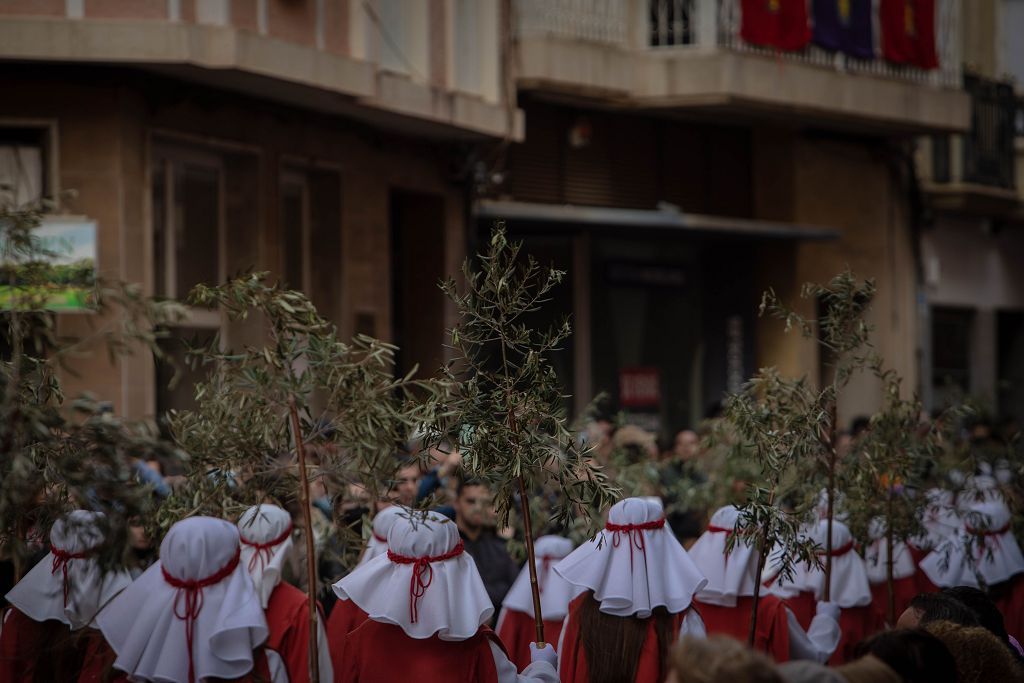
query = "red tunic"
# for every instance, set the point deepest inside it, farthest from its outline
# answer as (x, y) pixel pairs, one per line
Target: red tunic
(923, 583)
(382, 653)
(803, 605)
(573, 665)
(43, 650)
(288, 620)
(904, 590)
(517, 630)
(98, 665)
(1010, 601)
(856, 624)
(345, 618)
(772, 634)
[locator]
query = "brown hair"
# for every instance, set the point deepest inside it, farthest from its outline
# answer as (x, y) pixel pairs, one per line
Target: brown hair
(720, 659)
(980, 657)
(612, 645)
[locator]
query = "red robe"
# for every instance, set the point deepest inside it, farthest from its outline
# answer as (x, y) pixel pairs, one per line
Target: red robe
(517, 630)
(288, 620)
(99, 660)
(1009, 598)
(772, 634)
(856, 624)
(573, 665)
(345, 618)
(904, 590)
(43, 650)
(382, 653)
(804, 606)
(922, 582)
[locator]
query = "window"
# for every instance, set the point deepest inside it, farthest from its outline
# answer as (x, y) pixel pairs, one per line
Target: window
(951, 354)
(187, 201)
(188, 218)
(310, 226)
(23, 169)
(401, 32)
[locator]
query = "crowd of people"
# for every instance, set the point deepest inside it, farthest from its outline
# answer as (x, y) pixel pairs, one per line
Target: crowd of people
(437, 595)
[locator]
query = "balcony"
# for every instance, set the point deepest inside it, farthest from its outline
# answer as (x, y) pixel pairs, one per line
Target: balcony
(975, 172)
(689, 55)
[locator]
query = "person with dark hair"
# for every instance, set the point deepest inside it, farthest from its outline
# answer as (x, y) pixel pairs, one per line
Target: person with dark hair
(989, 616)
(472, 512)
(916, 655)
(928, 607)
(639, 585)
(980, 657)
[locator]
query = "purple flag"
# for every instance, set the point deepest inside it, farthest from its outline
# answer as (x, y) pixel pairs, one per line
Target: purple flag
(844, 26)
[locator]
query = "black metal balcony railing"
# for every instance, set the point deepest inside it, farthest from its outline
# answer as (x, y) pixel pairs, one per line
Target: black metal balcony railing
(987, 152)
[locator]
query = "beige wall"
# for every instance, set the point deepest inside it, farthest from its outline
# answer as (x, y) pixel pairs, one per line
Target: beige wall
(847, 186)
(105, 133)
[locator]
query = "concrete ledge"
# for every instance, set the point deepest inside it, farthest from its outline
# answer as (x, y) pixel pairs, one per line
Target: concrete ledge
(241, 60)
(725, 81)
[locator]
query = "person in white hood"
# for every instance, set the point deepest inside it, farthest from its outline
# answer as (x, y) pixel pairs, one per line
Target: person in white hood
(726, 601)
(265, 532)
(428, 613)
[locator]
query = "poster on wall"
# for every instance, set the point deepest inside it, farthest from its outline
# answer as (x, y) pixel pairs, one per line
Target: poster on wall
(61, 276)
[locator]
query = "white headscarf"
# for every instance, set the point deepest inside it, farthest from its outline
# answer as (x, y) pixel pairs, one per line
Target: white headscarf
(635, 564)
(730, 575)
(382, 523)
(142, 623)
(939, 519)
(555, 592)
(68, 584)
(876, 555)
(984, 548)
(425, 584)
(265, 532)
(850, 586)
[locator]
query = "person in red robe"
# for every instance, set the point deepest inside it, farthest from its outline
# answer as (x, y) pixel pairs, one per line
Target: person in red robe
(49, 632)
(850, 589)
(346, 615)
(984, 551)
(638, 585)
(265, 532)
(939, 522)
(428, 614)
(726, 602)
(516, 626)
(905, 584)
(193, 615)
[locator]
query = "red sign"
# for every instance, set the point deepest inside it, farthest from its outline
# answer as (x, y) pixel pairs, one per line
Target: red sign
(639, 387)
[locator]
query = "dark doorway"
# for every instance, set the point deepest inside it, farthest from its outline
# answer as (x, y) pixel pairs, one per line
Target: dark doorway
(417, 265)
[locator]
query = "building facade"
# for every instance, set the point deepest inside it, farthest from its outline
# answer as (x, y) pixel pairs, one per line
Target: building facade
(678, 171)
(325, 141)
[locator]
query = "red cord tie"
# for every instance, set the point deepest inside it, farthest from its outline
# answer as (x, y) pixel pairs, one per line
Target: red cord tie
(192, 590)
(722, 530)
(634, 535)
(838, 552)
(61, 558)
(380, 539)
(422, 575)
(264, 551)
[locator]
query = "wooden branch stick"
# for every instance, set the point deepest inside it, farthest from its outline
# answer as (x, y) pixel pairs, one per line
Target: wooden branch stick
(831, 494)
(890, 584)
(307, 519)
(531, 560)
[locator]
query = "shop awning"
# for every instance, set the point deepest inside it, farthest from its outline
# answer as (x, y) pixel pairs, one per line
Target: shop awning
(666, 217)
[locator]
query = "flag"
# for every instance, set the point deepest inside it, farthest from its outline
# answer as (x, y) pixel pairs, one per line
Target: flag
(775, 23)
(908, 32)
(844, 26)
